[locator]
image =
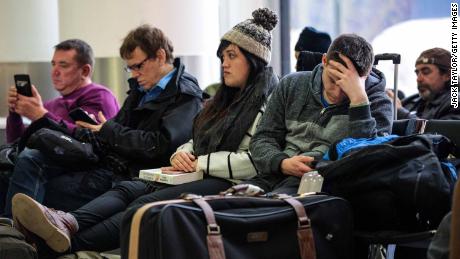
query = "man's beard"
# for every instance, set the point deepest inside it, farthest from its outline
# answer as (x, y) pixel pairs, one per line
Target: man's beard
(427, 94)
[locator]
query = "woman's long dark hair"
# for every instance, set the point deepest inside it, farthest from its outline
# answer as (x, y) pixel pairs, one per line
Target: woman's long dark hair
(225, 95)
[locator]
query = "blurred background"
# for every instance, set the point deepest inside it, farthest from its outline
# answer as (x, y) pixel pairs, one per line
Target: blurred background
(30, 28)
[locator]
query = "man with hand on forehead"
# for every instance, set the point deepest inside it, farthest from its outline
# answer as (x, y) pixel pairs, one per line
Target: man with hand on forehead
(342, 97)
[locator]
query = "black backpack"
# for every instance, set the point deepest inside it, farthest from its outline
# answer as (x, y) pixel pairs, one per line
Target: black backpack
(401, 185)
(61, 147)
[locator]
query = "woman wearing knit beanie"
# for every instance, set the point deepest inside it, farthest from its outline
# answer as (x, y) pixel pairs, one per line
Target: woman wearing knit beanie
(219, 147)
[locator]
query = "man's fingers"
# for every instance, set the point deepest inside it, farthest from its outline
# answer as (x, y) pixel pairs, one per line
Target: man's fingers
(303, 168)
(101, 117)
(348, 62)
(297, 174)
(306, 159)
(390, 93)
(335, 74)
(13, 92)
(34, 91)
(84, 124)
(337, 66)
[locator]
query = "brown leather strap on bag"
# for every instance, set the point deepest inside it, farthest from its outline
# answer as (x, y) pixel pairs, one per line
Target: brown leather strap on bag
(214, 238)
(304, 231)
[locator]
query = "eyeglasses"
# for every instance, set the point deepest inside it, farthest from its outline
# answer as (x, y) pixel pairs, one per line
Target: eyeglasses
(136, 67)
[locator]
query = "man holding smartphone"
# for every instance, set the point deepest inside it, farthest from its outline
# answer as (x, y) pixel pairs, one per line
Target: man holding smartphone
(156, 117)
(71, 71)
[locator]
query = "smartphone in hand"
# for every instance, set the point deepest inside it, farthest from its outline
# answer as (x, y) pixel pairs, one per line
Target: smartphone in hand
(78, 114)
(23, 85)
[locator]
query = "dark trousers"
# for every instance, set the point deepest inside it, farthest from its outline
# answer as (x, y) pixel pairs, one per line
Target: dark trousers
(63, 187)
(276, 184)
(5, 174)
(100, 220)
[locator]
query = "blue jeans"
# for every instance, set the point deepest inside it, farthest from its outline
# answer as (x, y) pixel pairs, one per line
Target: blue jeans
(69, 187)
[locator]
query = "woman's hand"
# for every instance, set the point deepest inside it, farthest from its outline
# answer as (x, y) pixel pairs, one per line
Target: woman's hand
(184, 161)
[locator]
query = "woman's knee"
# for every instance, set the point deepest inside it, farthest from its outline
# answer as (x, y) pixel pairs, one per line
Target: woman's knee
(131, 189)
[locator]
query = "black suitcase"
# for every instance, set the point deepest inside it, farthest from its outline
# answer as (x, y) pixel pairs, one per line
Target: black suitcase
(245, 227)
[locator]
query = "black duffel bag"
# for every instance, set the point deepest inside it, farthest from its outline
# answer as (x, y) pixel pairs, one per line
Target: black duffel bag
(61, 147)
(239, 227)
(401, 185)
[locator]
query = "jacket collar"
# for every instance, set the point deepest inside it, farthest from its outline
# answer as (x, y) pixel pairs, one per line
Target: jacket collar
(171, 87)
(440, 97)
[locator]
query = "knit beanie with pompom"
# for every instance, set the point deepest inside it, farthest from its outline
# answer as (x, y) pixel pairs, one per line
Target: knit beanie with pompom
(254, 35)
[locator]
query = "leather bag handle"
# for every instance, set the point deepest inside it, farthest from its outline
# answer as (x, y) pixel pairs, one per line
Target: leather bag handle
(214, 237)
(304, 231)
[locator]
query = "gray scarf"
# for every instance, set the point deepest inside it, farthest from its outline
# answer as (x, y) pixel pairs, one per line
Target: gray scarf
(226, 134)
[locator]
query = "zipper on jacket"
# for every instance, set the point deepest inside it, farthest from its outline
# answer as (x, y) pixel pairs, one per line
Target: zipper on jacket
(322, 111)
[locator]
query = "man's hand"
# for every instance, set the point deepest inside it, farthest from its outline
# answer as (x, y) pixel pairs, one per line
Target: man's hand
(93, 128)
(29, 107)
(296, 165)
(12, 98)
(391, 94)
(184, 161)
(348, 79)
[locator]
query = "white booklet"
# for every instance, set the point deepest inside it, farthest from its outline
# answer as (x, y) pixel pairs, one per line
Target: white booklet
(168, 176)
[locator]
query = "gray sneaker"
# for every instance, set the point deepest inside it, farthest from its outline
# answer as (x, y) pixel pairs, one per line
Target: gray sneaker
(53, 226)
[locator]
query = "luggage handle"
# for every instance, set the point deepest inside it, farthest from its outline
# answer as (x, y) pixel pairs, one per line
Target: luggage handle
(304, 231)
(396, 58)
(247, 190)
(214, 237)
